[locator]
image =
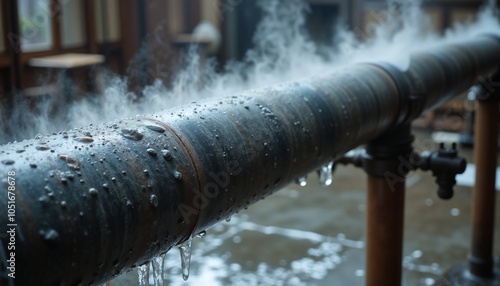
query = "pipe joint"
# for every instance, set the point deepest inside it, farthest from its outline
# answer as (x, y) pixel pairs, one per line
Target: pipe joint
(487, 89)
(391, 156)
(411, 103)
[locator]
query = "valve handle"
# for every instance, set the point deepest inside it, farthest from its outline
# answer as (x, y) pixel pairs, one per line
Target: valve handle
(445, 165)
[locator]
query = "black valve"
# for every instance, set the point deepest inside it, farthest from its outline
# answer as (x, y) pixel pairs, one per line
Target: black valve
(445, 165)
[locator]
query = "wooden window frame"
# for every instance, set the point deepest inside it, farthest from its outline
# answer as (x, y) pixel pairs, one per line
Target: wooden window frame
(90, 46)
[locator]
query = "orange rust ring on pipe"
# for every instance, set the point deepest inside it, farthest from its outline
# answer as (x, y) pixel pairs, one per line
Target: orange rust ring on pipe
(189, 196)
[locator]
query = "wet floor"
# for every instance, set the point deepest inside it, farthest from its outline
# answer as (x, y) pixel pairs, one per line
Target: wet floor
(314, 235)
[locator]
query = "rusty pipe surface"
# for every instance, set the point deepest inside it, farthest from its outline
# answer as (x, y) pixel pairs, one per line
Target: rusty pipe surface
(93, 202)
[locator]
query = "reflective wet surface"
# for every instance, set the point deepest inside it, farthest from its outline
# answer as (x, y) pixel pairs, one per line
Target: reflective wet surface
(314, 235)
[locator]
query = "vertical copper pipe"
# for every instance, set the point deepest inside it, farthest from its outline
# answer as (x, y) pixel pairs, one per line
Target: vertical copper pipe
(483, 205)
(384, 243)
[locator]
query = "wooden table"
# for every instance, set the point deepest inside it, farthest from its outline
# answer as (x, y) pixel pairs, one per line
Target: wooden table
(66, 63)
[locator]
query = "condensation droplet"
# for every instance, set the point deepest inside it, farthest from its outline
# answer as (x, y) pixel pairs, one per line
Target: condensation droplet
(42, 147)
(228, 219)
(8, 162)
(50, 236)
(166, 154)
(142, 272)
(151, 151)
(132, 134)
(157, 263)
(156, 128)
(84, 139)
(301, 181)
(73, 163)
(177, 175)
(185, 251)
(93, 192)
(153, 200)
(43, 199)
(326, 175)
(33, 165)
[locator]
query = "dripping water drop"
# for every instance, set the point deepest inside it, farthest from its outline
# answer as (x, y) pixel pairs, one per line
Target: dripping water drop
(201, 234)
(142, 272)
(158, 270)
(326, 175)
(185, 251)
(301, 181)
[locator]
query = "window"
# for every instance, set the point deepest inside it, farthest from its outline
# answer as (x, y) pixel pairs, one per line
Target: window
(72, 24)
(2, 41)
(108, 30)
(35, 25)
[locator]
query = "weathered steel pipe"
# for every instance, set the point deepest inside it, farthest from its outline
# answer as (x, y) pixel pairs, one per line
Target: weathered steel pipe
(96, 201)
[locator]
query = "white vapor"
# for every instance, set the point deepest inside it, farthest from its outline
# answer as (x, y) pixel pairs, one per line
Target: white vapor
(282, 52)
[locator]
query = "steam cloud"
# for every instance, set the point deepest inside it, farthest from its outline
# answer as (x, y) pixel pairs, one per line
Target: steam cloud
(282, 52)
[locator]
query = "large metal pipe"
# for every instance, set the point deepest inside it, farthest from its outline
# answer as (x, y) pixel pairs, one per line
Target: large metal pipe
(96, 201)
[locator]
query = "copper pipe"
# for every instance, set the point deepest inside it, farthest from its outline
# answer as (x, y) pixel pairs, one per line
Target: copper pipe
(483, 205)
(384, 242)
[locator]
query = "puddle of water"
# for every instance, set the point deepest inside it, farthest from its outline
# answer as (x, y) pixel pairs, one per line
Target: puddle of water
(242, 252)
